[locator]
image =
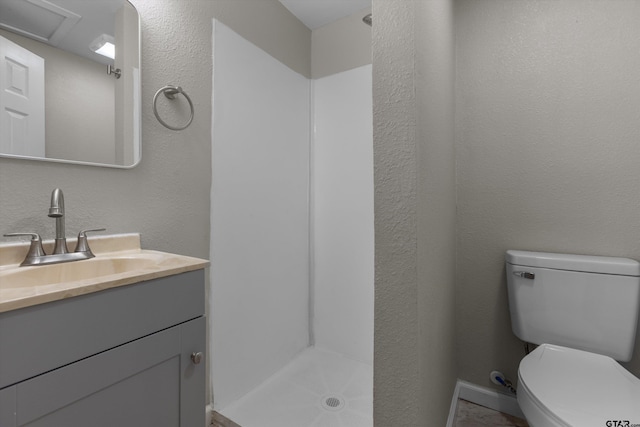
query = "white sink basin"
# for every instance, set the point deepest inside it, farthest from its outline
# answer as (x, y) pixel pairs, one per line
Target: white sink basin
(94, 268)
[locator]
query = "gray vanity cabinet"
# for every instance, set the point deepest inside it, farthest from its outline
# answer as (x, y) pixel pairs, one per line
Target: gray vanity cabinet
(152, 377)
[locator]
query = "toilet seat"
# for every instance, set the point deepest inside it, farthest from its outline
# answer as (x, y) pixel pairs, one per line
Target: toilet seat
(560, 386)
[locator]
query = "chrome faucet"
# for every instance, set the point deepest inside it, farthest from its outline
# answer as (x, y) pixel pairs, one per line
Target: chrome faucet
(36, 254)
(57, 211)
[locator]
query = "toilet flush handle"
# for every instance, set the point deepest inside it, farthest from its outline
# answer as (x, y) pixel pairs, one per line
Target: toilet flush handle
(524, 274)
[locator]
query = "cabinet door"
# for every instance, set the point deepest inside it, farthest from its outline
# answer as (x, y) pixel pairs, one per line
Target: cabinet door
(137, 384)
(193, 375)
(8, 407)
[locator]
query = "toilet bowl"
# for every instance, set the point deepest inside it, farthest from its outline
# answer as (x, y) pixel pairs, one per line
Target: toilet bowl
(560, 386)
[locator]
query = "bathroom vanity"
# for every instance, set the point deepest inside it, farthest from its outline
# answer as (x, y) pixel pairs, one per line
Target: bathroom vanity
(124, 348)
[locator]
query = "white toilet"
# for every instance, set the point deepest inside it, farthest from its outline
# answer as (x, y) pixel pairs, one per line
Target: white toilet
(583, 313)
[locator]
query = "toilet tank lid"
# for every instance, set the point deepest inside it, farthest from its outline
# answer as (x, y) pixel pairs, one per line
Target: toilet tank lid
(585, 263)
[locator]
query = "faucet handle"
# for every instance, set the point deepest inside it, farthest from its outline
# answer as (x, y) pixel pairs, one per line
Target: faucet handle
(83, 245)
(35, 250)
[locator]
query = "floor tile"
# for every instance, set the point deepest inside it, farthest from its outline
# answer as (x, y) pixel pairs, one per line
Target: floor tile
(471, 415)
(219, 420)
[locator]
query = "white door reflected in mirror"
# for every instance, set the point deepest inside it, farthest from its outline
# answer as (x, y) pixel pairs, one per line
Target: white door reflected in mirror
(21, 101)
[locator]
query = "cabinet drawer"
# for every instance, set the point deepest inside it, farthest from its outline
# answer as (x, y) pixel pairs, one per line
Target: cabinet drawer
(38, 339)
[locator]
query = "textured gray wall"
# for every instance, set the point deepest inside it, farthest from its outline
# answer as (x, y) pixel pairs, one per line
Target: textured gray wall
(396, 386)
(434, 80)
(414, 179)
(548, 148)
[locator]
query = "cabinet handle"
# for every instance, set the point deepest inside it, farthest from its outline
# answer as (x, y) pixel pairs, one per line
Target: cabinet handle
(196, 358)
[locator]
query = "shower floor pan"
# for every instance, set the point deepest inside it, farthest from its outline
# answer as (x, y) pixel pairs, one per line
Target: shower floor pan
(317, 389)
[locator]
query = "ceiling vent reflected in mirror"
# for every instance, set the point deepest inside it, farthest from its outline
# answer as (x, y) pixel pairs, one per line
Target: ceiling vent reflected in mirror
(37, 19)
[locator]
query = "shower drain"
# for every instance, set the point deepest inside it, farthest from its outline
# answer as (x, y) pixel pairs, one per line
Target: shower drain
(333, 403)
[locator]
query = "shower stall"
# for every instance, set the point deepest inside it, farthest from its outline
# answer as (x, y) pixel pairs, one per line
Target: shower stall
(291, 300)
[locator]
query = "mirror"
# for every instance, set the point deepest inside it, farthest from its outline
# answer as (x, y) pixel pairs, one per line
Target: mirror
(60, 100)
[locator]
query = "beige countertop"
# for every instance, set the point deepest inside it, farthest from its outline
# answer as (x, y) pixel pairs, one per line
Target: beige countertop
(119, 261)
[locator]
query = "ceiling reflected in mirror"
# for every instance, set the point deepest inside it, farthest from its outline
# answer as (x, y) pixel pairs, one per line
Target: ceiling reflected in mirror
(70, 25)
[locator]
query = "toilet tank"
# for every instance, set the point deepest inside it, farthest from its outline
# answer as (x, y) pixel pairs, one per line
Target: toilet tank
(585, 302)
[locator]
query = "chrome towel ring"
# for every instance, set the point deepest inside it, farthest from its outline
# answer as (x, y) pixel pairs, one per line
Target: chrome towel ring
(170, 92)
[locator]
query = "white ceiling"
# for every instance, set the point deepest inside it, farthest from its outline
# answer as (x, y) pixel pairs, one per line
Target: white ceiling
(316, 13)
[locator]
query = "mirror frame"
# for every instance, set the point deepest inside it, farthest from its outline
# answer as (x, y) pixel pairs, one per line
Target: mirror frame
(137, 127)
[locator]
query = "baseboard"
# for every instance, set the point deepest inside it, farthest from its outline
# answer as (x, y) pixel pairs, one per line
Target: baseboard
(485, 397)
(454, 405)
(209, 413)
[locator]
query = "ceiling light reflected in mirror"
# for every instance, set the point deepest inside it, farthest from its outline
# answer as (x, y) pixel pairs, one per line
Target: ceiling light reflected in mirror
(104, 45)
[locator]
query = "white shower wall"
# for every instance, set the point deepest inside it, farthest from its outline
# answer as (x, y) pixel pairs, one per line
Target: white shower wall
(343, 213)
(259, 216)
(291, 227)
